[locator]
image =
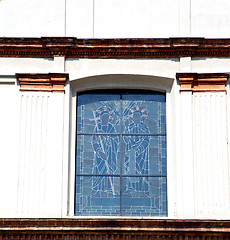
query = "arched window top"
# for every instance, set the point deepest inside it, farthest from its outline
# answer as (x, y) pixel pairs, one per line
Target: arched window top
(123, 81)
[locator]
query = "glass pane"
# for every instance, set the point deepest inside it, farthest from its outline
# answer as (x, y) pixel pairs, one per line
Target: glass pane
(97, 196)
(97, 154)
(144, 196)
(157, 155)
(100, 155)
(98, 113)
(143, 113)
(143, 155)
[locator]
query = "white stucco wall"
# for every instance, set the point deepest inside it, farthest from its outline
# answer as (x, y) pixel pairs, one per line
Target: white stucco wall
(115, 18)
(32, 18)
(10, 66)
(210, 19)
(9, 126)
(122, 19)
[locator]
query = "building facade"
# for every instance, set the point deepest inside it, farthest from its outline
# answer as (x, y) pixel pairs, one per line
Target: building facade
(123, 124)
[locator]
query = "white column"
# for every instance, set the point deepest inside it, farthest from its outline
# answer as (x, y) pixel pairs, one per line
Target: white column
(211, 155)
(43, 149)
(40, 157)
(204, 145)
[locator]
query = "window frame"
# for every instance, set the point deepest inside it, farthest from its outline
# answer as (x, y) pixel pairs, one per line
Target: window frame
(144, 82)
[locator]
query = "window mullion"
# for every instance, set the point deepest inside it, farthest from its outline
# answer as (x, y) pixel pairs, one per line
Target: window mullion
(121, 155)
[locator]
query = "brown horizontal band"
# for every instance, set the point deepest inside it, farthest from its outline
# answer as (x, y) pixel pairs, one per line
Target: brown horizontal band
(128, 226)
(51, 82)
(70, 47)
(202, 82)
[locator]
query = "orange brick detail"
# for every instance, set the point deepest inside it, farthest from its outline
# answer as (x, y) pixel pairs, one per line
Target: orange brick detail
(202, 82)
(51, 82)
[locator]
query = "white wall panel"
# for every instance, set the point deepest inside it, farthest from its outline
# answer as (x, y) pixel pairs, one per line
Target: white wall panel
(184, 158)
(8, 147)
(33, 153)
(135, 18)
(94, 67)
(122, 19)
(80, 18)
(210, 155)
(210, 18)
(118, 18)
(210, 65)
(185, 18)
(40, 158)
(32, 18)
(173, 151)
(115, 18)
(10, 66)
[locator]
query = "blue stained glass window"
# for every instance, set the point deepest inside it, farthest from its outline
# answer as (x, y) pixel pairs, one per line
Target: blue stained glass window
(121, 154)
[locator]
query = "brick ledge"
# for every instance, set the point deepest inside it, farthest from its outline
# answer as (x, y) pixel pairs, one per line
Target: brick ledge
(71, 47)
(126, 226)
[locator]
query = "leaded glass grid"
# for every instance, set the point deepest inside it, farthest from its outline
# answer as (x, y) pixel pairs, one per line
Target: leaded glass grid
(121, 154)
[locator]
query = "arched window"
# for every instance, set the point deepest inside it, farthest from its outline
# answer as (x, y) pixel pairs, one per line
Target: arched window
(121, 153)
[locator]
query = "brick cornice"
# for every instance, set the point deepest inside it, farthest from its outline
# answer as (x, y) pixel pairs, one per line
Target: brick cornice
(51, 82)
(70, 47)
(202, 82)
(119, 229)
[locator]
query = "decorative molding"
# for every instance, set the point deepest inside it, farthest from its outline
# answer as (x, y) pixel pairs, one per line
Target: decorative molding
(51, 82)
(117, 229)
(202, 82)
(70, 47)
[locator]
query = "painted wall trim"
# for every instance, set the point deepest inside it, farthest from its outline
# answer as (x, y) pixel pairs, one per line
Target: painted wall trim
(36, 82)
(202, 82)
(71, 47)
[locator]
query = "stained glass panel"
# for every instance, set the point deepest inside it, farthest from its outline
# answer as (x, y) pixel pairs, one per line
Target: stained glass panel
(97, 154)
(97, 196)
(144, 155)
(143, 113)
(144, 196)
(98, 113)
(121, 154)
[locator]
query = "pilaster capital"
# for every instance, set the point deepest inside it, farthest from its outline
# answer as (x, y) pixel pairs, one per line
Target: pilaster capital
(202, 82)
(37, 82)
